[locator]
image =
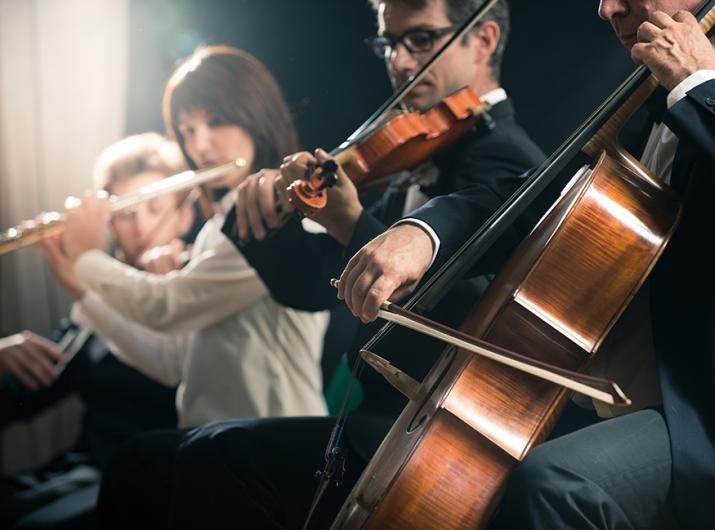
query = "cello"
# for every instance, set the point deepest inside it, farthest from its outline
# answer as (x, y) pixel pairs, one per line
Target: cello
(447, 458)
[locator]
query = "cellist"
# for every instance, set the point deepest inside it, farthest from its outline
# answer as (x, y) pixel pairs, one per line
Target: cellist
(282, 454)
(653, 468)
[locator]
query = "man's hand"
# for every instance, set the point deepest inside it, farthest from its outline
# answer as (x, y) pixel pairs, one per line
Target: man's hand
(86, 226)
(259, 197)
(343, 208)
(164, 259)
(673, 48)
(62, 268)
(30, 358)
(388, 267)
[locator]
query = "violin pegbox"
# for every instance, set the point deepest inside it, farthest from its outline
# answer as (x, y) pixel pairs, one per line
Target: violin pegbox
(308, 195)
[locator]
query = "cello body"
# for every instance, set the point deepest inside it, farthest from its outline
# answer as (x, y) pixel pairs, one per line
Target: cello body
(445, 462)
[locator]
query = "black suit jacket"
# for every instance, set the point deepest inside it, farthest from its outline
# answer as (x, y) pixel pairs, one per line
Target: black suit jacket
(682, 300)
(683, 311)
(296, 266)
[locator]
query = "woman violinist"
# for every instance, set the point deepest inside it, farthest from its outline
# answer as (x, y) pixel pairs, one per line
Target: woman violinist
(247, 355)
(211, 105)
(654, 468)
(281, 455)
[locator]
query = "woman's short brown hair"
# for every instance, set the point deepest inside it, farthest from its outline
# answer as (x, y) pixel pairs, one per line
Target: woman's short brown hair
(136, 154)
(234, 86)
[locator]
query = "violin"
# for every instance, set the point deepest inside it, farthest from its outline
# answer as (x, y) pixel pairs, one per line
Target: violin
(404, 142)
(381, 147)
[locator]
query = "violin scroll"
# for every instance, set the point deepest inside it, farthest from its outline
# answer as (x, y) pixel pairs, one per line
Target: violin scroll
(308, 194)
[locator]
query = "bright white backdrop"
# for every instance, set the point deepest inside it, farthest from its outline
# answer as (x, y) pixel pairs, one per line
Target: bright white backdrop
(63, 77)
(63, 69)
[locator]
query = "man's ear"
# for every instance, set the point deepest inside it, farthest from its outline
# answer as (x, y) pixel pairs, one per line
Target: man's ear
(486, 39)
(186, 219)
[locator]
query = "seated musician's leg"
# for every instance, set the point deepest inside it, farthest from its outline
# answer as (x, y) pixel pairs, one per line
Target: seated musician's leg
(255, 474)
(136, 486)
(615, 474)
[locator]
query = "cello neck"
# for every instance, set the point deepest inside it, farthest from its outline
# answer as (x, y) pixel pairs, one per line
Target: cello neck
(606, 138)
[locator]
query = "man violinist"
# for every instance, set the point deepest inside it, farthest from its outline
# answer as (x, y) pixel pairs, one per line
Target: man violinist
(280, 456)
(654, 468)
(487, 160)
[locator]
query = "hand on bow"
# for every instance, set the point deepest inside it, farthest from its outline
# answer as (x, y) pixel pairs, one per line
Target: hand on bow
(388, 267)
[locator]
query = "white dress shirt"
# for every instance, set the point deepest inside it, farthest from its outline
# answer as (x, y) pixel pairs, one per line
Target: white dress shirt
(659, 152)
(245, 355)
(158, 355)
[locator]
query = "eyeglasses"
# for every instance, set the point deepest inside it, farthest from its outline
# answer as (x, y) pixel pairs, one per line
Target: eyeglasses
(416, 41)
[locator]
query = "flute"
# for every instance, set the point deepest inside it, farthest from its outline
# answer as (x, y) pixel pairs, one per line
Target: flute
(50, 223)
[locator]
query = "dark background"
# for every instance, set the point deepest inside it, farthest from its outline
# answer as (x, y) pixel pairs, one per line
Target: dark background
(561, 62)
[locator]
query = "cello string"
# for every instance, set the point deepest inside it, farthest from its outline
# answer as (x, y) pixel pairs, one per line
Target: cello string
(376, 116)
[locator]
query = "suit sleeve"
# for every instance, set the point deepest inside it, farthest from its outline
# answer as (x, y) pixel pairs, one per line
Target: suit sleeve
(296, 266)
(487, 178)
(693, 118)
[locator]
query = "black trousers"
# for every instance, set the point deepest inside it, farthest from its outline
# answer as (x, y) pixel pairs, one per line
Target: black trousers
(250, 474)
(258, 474)
(614, 474)
(136, 486)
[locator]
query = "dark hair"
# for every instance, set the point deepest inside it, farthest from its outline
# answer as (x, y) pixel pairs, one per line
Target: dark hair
(136, 154)
(458, 11)
(234, 86)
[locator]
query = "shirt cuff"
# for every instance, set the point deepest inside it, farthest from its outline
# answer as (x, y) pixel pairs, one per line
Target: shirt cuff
(427, 228)
(687, 84)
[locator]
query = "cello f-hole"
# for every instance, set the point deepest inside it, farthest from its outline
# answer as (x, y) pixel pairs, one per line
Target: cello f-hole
(421, 415)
